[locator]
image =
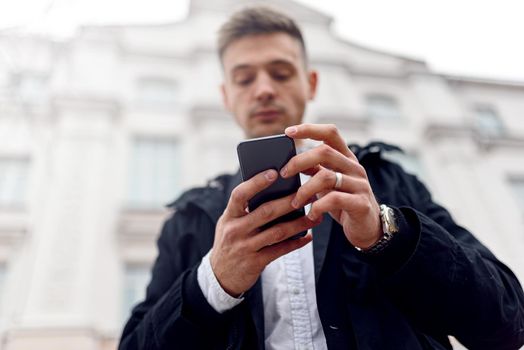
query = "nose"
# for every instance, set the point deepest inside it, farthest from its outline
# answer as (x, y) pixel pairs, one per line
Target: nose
(264, 88)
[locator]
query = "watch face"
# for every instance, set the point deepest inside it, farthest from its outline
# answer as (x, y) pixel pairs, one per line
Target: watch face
(389, 227)
(393, 221)
(389, 222)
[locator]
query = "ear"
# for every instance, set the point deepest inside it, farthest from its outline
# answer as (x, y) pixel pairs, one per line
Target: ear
(225, 100)
(312, 84)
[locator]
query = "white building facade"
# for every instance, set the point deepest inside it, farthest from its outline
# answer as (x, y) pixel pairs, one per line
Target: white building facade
(98, 132)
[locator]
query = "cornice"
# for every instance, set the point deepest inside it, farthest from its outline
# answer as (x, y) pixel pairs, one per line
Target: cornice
(435, 132)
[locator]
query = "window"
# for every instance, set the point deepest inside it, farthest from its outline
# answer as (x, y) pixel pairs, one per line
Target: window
(13, 182)
(136, 278)
(157, 92)
(382, 107)
(487, 121)
(517, 188)
(155, 173)
(3, 271)
(3, 279)
(409, 162)
(30, 87)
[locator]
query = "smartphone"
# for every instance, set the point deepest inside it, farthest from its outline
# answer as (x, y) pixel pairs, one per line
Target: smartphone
(271, 152)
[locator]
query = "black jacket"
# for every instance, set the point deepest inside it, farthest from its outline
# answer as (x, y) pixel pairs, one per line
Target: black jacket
(434, 280)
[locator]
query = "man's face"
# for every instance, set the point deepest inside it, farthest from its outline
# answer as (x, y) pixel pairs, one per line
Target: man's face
(266, 85)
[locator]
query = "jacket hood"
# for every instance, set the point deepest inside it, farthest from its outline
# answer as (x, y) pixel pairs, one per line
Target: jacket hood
(211, 198)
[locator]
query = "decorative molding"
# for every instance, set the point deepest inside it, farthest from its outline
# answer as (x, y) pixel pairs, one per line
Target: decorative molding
(139, 225)
(202, 113)
(54, 337)
(13, 225)
(298, 11)
(456, 80)
(136, 235)
(82, 104)
(437, 131)
(344, 119)
(86, 103)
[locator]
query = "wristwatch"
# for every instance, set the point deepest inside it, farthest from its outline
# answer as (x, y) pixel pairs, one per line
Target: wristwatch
(389, 228)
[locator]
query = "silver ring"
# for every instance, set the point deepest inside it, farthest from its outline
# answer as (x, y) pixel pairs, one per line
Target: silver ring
(338, 182)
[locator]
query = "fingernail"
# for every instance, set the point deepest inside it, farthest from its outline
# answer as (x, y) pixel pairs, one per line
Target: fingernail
(270, 175)
(292, 130)
(310, 216)
(283, 171)
(294, 203)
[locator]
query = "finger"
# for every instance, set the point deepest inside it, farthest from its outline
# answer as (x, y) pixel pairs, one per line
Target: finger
(324, 155)
(312, 171)
(241, 194)
(323, 181)
(334, 200)
(328, 133)
(267, 212)
(281, 232)
(275, 251)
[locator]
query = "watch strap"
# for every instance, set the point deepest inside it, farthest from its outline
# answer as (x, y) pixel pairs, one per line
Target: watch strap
(389, 228)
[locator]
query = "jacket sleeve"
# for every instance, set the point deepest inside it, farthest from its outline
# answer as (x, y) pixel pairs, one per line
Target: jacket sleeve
(175, 312)
(447, 281)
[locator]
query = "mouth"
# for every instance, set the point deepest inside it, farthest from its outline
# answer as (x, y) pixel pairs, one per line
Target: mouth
(267, 115)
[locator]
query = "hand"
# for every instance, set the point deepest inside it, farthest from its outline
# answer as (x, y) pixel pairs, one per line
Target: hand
(353, 204)
(240, 250)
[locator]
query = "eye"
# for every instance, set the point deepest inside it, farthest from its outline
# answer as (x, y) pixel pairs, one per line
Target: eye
(243, 79)
(244, 82)
(281, 77)
(281, 74)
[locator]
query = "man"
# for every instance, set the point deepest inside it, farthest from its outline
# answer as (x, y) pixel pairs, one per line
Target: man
(399, 275)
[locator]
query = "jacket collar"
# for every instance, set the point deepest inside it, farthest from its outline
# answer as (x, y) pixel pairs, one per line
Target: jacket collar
(321, 235)
(233, 182)
(211, 199)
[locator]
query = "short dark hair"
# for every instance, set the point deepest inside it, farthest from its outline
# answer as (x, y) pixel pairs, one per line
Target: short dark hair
(255, 21)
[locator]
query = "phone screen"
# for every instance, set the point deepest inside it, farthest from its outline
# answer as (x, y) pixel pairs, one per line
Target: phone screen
(272, 152)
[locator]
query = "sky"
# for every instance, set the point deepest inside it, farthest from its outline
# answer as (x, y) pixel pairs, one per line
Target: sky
(482, 38)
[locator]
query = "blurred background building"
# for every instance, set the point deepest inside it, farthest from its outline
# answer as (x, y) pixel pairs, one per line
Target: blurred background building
(98, 132)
